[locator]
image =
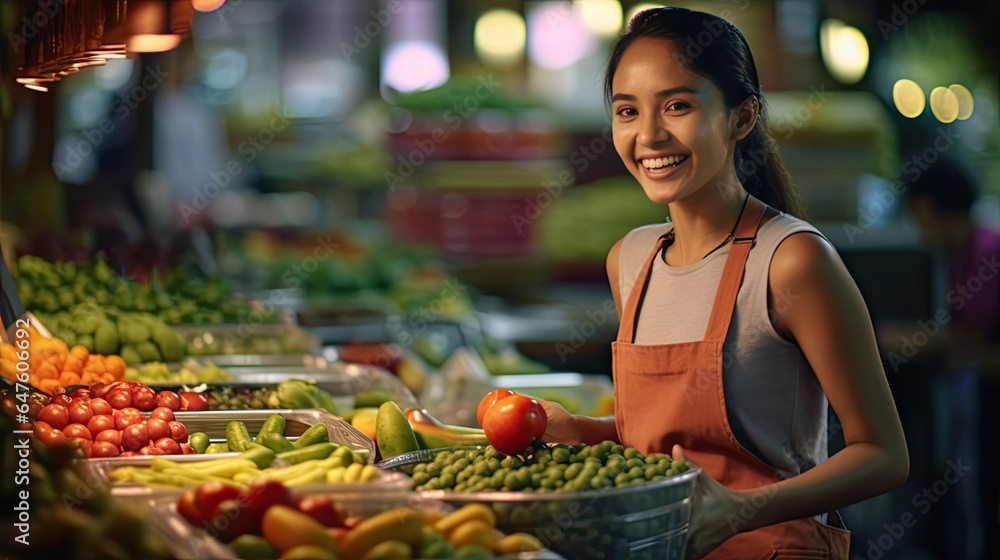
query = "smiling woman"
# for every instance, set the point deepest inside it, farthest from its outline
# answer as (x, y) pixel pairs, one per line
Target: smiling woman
(739, 323)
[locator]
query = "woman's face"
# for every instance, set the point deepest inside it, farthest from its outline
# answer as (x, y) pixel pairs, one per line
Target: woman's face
(670, 125)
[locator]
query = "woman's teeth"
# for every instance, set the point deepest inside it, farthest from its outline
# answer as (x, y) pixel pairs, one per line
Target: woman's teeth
(662, 162)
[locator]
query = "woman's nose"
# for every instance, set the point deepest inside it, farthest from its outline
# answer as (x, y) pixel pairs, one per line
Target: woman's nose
(652, 131)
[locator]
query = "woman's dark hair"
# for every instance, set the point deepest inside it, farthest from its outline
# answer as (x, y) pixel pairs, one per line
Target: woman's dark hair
(712, 47)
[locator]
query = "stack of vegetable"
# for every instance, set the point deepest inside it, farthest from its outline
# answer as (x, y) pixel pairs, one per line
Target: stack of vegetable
(189, 374)
(183, 297)
(263, 520)
(52, 365)
(136, 337)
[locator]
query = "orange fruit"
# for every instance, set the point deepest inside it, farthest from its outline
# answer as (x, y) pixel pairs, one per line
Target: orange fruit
(80, 352)
(95, 363)
(69, 378)
(115, 366)
(8, 352)
(89, 378)
(50, 386)
(73, 364)
(107, 378)
(46, 370)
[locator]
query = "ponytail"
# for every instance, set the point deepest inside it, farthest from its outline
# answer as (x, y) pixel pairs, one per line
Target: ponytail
(761, 170)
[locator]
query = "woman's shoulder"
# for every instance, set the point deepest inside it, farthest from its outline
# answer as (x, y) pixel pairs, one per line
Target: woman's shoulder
(643, 238)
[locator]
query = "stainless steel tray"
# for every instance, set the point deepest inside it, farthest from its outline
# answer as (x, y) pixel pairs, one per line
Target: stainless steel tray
(213, 423)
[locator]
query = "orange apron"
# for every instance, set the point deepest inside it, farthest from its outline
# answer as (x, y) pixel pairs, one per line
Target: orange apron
(668, 394)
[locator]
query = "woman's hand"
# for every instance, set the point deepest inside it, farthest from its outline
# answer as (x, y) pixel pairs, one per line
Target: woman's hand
(562, 426)
(713, 507)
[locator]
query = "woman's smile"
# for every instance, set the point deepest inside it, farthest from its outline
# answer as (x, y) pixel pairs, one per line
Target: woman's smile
(659, 167)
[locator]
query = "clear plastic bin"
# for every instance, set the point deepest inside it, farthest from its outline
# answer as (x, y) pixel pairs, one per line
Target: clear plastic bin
(235, 344)
(645, 521)
(213, 423)
(359, 503)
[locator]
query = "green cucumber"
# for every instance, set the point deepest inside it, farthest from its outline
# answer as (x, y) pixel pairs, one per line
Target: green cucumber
(309, 453)
(275, 424)
(259, 454)
(199, 442)
(217, 448)
(315, 434)
(275, 442)
(237, 436)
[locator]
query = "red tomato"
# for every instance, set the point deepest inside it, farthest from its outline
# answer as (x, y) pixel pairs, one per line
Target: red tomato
(163, 413)
(135, 437)
(127, 417)
(322, 509)
(78, 431)
(86, 446)
(100, 406)
(100, 424)
(193, 401)
(51, 436)
(168, 446)
(144, 399)
(104, 449)
(189, 510)
(168, 399)
(511, 423)
(186, 449)
(98, 390)
(61, 399)
(119, 398)
(208, 496)
(149, 450)
(127, 454)
(489, 400)
(55, 415)
(157, 429)
(178, 432)
(80, 413)
(231, 520)
(134, 386)
(262, 493)
(112, 436)
(81, 394)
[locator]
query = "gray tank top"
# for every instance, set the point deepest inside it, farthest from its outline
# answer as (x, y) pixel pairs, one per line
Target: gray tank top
(776, 406)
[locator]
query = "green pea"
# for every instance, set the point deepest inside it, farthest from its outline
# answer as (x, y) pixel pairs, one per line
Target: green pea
(447, 480)
(433, 469)
(512, 462)
(636, 472)
(634, 462)
(490, 452)
(473, 454)
(560, 455)
(573, 471)
(622, 479)
(493, 463)
(420, 478)
(462, 477)
(419, 467)
(618, 449)
(460, 464)
(512, 481)
(582, 454)
(631, 453)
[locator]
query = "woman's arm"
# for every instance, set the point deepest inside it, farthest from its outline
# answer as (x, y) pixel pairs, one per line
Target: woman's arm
(816, 303)
(574, 428)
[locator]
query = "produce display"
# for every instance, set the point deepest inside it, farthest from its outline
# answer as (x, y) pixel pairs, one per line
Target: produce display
(70, 518)
(189, 374)
(181, 298)
(390, 357)
(52, 365)
(136, 337)
(317, 463)
(108, 420)
(264, 520)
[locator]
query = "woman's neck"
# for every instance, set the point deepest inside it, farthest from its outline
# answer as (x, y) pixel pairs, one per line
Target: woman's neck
(704, 220)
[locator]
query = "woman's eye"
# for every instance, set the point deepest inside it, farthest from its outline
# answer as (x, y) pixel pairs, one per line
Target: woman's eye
(626, 112)
(678, 106)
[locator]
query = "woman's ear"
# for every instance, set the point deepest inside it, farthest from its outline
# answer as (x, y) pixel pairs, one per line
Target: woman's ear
(746, 117)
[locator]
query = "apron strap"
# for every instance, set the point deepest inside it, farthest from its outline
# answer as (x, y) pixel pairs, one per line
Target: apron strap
(630, 315)
(732, 274)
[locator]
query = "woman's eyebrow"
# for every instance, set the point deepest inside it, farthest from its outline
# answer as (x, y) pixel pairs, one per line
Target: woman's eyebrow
(664, 93)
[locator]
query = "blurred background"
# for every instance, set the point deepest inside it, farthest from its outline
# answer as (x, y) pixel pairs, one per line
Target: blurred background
(439, 174)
